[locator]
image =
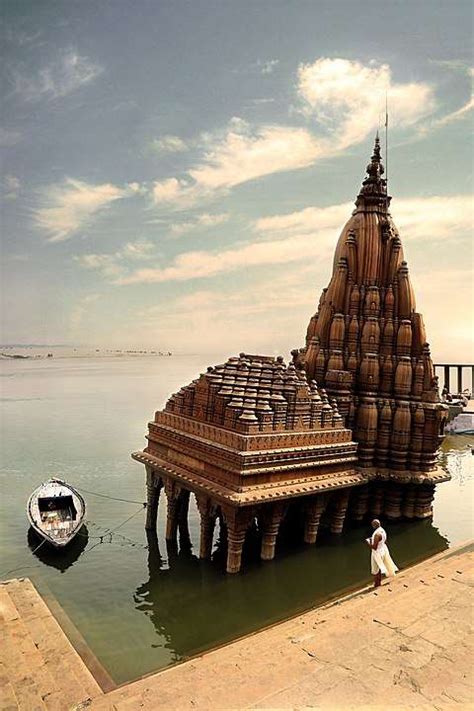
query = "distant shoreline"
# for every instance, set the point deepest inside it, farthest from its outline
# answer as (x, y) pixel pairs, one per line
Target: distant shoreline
(21, 353)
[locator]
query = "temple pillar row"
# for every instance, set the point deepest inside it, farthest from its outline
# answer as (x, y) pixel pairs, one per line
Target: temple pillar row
(396, 500)
(182, 516)
(269, 521)
(339, 511)
(171, 519)
(314, 510)
(208, 514)
(237, 521)
(154, 485)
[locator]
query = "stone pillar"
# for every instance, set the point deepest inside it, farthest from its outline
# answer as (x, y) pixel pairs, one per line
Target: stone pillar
(172, 492)
(270, 519)
(154, 558)
(424, 500)
(237, 521)
(182, 516)
(393, 500)
(207, 533)
(153, 488)
(408, 506)
(339, 513)
(208, 519)
(314, 510)
(360, 505)
(172, 520)
(235, 542)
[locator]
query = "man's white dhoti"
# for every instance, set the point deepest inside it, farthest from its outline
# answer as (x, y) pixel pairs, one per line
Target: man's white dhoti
(380, 559)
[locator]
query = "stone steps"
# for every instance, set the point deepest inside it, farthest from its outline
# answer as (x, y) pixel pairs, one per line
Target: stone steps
(40, 668)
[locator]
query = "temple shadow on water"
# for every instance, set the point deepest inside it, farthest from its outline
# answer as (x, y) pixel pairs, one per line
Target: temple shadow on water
(349, 429)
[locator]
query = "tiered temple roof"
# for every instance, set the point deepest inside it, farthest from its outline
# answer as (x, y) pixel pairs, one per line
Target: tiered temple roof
(253, 429)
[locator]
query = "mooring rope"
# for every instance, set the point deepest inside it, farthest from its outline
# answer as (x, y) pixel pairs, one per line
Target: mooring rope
(113, 498)
(22, 567)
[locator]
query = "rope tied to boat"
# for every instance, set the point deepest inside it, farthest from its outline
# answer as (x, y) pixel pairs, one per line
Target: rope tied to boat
(22, 567)
(107, 496)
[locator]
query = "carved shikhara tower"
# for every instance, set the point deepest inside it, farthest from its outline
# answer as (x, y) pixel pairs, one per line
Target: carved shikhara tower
(367, 346)
(253, 437)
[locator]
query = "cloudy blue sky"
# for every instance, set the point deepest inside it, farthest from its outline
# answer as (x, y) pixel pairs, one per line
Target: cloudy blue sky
(175, 174)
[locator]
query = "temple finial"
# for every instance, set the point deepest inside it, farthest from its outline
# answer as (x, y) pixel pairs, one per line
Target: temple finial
(376, 157)
(374, 188)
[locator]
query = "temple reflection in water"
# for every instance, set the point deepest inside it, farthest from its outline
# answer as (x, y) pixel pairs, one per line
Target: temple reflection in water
(349, 429)
(193, 607)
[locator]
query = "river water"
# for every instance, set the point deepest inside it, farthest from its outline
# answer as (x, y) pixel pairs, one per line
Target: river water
(140, 607)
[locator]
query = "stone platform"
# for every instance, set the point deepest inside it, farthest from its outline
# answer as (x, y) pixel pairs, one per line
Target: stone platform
(39, 667)
(407, 645)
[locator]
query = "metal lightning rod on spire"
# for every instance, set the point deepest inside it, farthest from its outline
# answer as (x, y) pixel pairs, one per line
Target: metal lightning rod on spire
(386, 145)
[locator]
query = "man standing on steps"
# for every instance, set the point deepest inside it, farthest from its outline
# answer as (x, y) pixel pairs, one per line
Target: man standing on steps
(380, 559)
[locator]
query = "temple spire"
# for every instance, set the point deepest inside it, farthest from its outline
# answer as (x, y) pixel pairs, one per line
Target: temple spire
(374, 187)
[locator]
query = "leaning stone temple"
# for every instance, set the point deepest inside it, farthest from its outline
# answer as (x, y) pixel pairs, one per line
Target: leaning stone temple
(350, 428)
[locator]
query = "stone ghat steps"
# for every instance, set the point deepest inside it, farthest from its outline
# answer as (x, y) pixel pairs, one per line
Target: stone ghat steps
(39, 667)
(406, 645)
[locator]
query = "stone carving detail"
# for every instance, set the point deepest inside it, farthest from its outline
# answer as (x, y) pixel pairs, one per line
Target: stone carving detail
(367, 320)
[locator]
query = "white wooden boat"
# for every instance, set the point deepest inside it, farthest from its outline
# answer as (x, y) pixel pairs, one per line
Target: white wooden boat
(56, 512)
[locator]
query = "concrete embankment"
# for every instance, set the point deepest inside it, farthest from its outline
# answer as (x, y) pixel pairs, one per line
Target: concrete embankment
(407, 645)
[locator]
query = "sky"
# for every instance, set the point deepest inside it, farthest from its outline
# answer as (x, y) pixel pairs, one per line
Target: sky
(175, 175)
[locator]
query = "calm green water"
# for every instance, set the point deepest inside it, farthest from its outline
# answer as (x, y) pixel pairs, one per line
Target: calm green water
(144, 608)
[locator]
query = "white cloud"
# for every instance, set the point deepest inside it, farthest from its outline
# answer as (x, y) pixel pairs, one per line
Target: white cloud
(245, 154)
(241, 154)
(169, 190)
(169, 144)
(137, 188)
(69, 206)
(269, 66)
(11, 187)
(114, 264)
(434, 218)
(311, 219)
(202, 221)
(205, 264)
(347, 98)
(431, 218)
(308, 234)
(61, 77)
(457, 115)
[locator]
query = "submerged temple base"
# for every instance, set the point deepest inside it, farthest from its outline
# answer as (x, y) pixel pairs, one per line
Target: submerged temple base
(248, 438)
(333, 509)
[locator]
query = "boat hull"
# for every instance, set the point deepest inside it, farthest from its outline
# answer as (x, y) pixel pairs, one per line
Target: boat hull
(56, 512)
